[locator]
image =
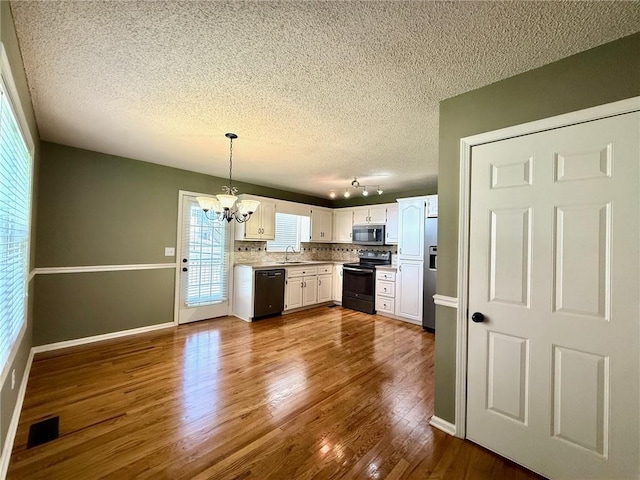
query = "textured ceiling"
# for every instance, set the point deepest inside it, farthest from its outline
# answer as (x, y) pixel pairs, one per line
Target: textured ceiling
(317, 91)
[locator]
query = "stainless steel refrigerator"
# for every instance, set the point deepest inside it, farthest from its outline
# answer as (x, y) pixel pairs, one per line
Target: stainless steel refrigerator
(430, 272)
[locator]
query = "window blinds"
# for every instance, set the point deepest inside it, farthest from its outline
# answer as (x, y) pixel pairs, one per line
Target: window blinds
(205, 246)
(15, 206)
(287, 233)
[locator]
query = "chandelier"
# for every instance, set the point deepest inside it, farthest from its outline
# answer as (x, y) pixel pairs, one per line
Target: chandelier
(224, 206)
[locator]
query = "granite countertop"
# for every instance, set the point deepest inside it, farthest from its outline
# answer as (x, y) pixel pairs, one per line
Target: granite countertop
(272, 264)
(391, 268)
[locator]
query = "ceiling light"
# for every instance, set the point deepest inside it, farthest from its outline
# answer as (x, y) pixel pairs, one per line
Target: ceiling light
(380, 191)
(224, 204)
(332, 194)
(355, 184)
(364, 192)
(347, 193)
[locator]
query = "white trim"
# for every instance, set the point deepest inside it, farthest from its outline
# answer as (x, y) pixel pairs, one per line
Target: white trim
(102, 268)
(443, 425)
(15, 417)
(445, 301)
(581, 116)
(31, 276)
(7, 77)
(99, 338)
(589, 114)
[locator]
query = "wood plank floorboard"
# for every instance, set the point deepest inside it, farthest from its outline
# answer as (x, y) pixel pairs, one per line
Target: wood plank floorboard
(327, 393)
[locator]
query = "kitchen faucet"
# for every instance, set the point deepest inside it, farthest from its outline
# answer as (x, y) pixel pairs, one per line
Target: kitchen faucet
(286, 251)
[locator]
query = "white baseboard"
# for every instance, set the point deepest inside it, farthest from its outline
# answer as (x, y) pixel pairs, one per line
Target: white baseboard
(443, 425)
(98, 338)
(15, 418)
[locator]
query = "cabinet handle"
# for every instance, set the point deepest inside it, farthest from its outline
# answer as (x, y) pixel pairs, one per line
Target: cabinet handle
(319, 282)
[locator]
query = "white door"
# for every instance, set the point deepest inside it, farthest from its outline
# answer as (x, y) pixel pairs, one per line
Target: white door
(310, 290)
(204, 264)
(293, 293)
(378, 215)
(553, 370)
(411, 229)
(409, 282)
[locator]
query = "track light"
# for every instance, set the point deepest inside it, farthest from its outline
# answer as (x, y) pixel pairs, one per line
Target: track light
(380, 191)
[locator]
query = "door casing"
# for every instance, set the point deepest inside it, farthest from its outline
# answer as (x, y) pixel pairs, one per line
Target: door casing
(464, 192)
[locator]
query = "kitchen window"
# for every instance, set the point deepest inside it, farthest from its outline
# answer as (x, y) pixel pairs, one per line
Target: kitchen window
(289, 230)
(16, 165)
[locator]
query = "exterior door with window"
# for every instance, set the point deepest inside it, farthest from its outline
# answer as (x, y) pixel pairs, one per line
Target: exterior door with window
(204, 264)
(553, 362)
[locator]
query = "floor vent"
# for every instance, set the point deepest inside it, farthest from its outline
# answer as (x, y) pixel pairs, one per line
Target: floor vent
(43, 432)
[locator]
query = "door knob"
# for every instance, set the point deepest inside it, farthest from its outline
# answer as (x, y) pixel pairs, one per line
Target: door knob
(477, 317)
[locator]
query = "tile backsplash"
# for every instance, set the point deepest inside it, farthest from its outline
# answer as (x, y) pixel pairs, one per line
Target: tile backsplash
(252, 252)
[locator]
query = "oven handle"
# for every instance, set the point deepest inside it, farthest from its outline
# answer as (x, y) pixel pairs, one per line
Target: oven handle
(357, 270)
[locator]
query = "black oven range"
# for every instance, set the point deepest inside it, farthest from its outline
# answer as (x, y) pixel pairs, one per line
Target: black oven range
(359, 280)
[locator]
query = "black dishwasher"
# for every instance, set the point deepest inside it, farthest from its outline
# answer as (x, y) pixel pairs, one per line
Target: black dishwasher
(269, 292)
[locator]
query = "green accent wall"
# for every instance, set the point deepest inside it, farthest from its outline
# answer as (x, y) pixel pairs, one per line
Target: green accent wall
(98, 209)
(76, 305)
(8, 397)
(604, 74)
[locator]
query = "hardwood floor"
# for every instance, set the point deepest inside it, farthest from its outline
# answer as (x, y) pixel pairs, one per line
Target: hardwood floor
(325, 393)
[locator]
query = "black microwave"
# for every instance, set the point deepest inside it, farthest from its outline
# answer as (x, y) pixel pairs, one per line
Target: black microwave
(368, 234)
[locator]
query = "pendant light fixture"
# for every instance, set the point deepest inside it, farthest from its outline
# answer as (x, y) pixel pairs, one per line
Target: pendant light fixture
(224, 206)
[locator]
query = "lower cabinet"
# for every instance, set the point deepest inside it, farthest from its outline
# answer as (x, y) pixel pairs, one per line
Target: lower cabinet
(409, 282)
(337, 284)
(325, 287)
(309, 290)
(385, 292)
(293, 293)
(308, 285)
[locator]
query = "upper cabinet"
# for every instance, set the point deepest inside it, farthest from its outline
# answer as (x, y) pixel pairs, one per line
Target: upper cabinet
(391, 232)
(321, 220)
(342, 225)
(261, 225)
(432, 206)
(375, 214)
(411, 214)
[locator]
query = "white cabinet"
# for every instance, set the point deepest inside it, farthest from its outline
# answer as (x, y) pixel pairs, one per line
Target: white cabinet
(321, 220)
(337, 284)
(261, 225)
(308, 285)
(376, 215)
(309, 290)
(325, 287)
(391, 231)
(385, 291)
(411, 213)
(342, 225)
(410, 277)
(432, 206)
(293, 293)
(409, 282)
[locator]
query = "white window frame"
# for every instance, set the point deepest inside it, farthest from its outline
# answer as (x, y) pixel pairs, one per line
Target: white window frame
(13, 99)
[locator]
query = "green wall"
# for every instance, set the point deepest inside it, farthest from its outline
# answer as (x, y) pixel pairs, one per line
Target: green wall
(98, 209)
(8, 397)
(601, 75)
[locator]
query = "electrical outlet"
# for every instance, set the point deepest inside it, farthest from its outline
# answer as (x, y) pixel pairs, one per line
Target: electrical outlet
(13, 378)
(169, 251)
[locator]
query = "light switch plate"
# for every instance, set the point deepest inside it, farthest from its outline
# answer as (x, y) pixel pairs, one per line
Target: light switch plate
(169, 251)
